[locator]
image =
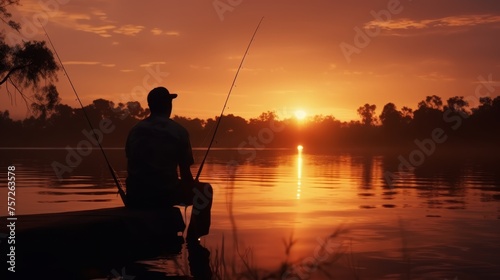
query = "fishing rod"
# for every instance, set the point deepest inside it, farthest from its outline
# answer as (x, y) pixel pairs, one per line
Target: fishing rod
(227, 98)
(118, 183)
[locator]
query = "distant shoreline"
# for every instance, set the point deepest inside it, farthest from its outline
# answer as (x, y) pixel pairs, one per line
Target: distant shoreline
(456, 149)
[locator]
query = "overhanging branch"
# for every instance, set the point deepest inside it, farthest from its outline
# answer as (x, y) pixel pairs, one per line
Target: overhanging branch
(11, 71)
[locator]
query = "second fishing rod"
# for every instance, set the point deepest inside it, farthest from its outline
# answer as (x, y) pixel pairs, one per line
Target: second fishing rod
(116, 179)
(225, 103)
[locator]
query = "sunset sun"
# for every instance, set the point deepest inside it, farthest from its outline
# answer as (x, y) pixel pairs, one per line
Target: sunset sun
(300, 114)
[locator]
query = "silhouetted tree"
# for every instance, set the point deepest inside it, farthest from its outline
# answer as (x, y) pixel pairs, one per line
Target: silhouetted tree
(231, 130)
(457, 104)
(62, 115)
(268, 116)
(496, 105)
(136, 111)
(5, 15)
(10, 130)
(103, 108)
(431, 102)
(321, 132)
(367, 113)
(394, 126)
(485, 120)
(58, 124)
(193, 126)
(484, 110)
(390, 117)
(5, 120)
(407, 115)
(429, 115)
(45, 102)
(24, 64)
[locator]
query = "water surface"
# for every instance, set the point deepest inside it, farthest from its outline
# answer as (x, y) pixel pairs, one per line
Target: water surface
(441, 221)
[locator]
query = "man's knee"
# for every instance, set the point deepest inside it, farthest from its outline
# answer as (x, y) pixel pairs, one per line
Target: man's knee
(202, 198)
(207, 189)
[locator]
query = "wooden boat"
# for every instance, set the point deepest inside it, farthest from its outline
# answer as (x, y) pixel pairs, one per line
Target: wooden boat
(52, 246)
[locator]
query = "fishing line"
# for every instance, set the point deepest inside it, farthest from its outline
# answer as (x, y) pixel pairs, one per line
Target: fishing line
(227, 98)
(118, 183)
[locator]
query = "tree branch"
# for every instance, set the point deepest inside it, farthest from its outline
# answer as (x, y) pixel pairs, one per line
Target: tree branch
(11, 71)
(22, 95)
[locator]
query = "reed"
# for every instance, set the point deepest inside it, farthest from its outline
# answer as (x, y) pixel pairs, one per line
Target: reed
(240, 265)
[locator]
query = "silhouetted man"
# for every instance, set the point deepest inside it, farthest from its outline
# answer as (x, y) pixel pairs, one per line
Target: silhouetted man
(158, 151)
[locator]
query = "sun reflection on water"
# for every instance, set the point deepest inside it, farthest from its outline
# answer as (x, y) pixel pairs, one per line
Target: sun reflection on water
(299, 170)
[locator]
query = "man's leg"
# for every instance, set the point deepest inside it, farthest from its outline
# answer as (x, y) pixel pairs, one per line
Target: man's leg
(199, 225)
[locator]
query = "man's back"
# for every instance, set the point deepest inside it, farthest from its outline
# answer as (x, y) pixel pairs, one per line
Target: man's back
(155, 148)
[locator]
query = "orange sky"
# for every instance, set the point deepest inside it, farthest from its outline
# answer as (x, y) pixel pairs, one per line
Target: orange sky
(297, 61)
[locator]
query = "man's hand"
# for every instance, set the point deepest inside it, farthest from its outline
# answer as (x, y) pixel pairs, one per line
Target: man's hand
(186, 174)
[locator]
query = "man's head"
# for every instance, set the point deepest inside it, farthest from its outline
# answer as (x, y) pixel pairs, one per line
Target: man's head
(160, 101)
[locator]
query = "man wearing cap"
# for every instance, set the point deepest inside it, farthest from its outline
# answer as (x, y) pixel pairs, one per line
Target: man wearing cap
(159, 158)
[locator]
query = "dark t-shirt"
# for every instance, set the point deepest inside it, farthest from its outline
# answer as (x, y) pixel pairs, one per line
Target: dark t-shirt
(155, 147)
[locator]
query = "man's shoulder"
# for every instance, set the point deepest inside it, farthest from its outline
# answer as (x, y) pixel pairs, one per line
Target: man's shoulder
(177, 127)
(160, 124)
(145, 123)
(176, 124)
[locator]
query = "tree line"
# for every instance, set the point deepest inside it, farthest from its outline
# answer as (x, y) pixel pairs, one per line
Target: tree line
(54, 124)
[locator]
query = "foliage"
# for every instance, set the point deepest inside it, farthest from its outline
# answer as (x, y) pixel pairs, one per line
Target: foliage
(24, 65)
(367, 113)
(56, 124)
(5, 15)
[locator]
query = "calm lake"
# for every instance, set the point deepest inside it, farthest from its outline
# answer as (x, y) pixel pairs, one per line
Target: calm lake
(337, 211)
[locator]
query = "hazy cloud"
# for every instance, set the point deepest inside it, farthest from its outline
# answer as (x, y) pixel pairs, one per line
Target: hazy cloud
(129, 29)
(93, 21)
(149, 64)
(157, 31)
(445, 22)
(75, 62)
(102, 31)
(435, 76)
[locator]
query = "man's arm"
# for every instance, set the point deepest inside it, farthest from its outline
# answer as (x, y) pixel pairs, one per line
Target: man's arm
(186, 157)
(186, 175)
